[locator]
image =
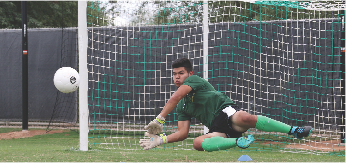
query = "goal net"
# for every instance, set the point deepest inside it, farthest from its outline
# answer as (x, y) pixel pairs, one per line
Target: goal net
(281, 59)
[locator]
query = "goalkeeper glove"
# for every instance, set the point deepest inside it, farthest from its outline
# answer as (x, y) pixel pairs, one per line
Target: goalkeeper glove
(153, 141)
(156, 126)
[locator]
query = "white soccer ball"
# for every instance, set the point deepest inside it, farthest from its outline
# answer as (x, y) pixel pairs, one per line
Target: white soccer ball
(66, 79)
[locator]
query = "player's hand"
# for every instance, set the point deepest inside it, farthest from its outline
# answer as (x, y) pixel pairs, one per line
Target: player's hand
(153, 141)
(156, 126)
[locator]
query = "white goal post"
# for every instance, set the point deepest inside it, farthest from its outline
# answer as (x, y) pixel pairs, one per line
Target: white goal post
(83, 72)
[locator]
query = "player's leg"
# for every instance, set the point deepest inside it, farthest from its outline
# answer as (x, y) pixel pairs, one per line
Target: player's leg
(242, 121)
(218, 141)
(197, 144)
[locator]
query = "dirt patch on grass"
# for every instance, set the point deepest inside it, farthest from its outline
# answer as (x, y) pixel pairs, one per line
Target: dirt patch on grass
(326, 146)
(28, 133)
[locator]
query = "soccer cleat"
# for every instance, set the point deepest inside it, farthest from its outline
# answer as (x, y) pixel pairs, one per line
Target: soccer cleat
(300, 132)
(244, 142)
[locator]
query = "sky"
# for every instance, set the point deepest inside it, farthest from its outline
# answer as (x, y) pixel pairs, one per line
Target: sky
(126, 11)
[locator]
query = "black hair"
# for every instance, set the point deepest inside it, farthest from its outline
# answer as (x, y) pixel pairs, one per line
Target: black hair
(182, 62)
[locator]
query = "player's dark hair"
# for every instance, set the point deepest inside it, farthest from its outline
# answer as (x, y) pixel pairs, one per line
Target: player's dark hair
(182, 62)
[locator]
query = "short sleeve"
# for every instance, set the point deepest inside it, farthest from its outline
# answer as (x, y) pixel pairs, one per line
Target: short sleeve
(194, 81)
(182, 115)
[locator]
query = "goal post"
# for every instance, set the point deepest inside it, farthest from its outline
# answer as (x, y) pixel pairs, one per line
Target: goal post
(280, 59)
(205, 45)
(83, 72)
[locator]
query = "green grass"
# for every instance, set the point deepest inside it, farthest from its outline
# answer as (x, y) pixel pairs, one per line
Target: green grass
(63, 147)
(5, 130)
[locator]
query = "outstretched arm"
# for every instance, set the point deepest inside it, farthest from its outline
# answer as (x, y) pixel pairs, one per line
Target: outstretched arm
(181, 133)
(181, 92)
(156, 126)
(155, 140)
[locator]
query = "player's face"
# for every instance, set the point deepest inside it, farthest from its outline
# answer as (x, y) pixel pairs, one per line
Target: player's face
(179, 75)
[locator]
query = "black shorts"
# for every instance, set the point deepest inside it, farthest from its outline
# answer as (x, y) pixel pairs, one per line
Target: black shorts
(222, 124)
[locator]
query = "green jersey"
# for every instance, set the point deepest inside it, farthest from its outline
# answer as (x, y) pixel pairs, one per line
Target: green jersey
(203, 102)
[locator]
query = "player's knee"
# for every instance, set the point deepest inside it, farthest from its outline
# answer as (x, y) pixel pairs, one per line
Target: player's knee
(244, 118)
(197, 144)
(249, 119)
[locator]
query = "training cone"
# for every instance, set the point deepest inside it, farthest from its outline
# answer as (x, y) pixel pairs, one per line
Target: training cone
(244, 158)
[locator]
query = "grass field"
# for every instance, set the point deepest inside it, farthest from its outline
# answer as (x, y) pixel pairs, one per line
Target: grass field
(63, 147)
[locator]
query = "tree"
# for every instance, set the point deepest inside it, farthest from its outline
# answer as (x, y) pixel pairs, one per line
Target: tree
(41, 14)
(10, 14)
(44, 14)
(180, 12)
(96, 14)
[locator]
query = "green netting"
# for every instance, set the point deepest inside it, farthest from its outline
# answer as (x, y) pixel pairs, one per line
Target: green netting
(290, 4)
(273, 58)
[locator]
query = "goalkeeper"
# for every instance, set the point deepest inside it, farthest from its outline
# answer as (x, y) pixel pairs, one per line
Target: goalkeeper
(195, 97)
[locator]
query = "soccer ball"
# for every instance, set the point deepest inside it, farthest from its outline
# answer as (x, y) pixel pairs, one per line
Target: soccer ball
(66, 79)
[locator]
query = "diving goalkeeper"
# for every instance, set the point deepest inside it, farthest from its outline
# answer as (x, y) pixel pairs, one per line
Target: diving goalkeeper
(195, 97)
